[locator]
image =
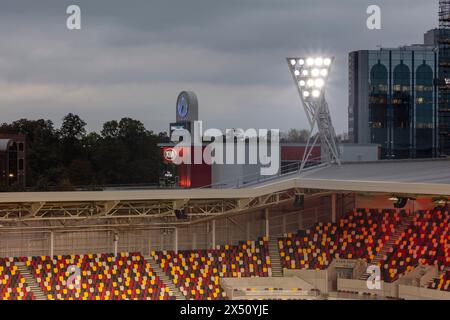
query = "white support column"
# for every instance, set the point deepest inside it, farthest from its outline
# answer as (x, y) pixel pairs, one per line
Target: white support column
(116, 244)
(52, 244)
(175, 239)
(247, 230)
(213, 230)
(194, 240)
(333, 207)
(149, 244)
(300, 220)
(161, 241)
(267, 222)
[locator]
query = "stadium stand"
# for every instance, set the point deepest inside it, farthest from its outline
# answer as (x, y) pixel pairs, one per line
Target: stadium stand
(360, 235)
(103, 277)
(426, 241)
(399, 241)
(12, 283)
(197, 273)
(442, 283)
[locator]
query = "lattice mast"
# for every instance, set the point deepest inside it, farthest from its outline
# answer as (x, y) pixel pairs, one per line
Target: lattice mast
(310, 76)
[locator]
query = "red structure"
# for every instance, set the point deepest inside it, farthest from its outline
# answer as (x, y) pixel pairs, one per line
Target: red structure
(292, 155)
(189, 175)
(200, 175)
(12, 159)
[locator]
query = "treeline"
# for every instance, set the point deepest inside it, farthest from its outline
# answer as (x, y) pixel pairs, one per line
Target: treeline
(123, 152)
(301, 136)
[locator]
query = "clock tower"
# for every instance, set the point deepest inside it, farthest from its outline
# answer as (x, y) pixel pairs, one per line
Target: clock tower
(186, 111)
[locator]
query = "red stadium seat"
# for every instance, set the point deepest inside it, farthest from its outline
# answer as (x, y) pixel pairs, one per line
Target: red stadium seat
(12, 283)
(360, 235)
(102, 277)
(197, 272)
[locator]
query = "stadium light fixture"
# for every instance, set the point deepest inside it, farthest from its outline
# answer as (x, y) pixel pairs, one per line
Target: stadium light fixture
(312, 71)
(311, 75)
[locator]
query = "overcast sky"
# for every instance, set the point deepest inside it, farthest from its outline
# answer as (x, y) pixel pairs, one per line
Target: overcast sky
(132, 57)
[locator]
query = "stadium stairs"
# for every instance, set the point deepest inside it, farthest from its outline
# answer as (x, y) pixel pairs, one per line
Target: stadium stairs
(165, 279)
(438, 278)
(274, 253)
(31, 281)
(390, 244)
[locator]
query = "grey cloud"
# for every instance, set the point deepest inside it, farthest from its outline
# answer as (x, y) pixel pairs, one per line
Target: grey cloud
(132, 57)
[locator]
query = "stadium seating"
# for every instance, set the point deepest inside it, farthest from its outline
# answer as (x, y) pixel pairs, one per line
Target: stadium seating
(360, 235)
(100, 277)
(426, 241)
(442, 283)
(197, 272)
(12, 283)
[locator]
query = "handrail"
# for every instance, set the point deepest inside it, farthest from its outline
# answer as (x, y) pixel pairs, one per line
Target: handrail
(292, 168)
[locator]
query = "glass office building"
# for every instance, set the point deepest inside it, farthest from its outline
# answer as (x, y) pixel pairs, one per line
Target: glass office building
(393, 100)
(444, 76)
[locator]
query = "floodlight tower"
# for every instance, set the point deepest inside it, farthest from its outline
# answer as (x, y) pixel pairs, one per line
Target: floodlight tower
(310, 76)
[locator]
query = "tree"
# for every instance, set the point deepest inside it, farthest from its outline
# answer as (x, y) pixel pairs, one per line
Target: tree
(73, 128)
(295, 136)
(42, 147)
(110, 129)
(72, 133)
(124, 152)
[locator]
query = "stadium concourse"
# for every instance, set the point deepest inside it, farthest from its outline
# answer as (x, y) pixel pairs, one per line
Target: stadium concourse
(317, 235)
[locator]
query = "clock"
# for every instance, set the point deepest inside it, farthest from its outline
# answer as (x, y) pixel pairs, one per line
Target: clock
(187, 107)
(183, 106)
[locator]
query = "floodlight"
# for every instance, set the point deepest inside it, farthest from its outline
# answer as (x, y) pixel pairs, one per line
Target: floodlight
(316, 93)
(319, 83)
(310, 75)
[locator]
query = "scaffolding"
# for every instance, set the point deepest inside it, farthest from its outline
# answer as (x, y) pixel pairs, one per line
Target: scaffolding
(444, 77)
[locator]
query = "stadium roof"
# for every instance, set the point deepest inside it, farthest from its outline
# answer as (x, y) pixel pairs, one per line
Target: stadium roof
(424, 171)
(426, 177)
(415, 178)
(421, 177)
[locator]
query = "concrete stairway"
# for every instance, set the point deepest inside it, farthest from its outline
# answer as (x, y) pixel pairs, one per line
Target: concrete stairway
(379, 258)
(165, 279)
(274, 253)
(31, 281)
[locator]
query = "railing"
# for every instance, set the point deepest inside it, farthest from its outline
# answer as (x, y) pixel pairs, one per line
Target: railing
(291, 169)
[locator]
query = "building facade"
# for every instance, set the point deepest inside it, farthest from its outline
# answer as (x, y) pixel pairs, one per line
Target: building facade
(393, 100)
(12, 160)
(444, 76)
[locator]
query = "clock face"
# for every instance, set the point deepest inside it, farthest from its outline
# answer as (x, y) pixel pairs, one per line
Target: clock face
(183, 106)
